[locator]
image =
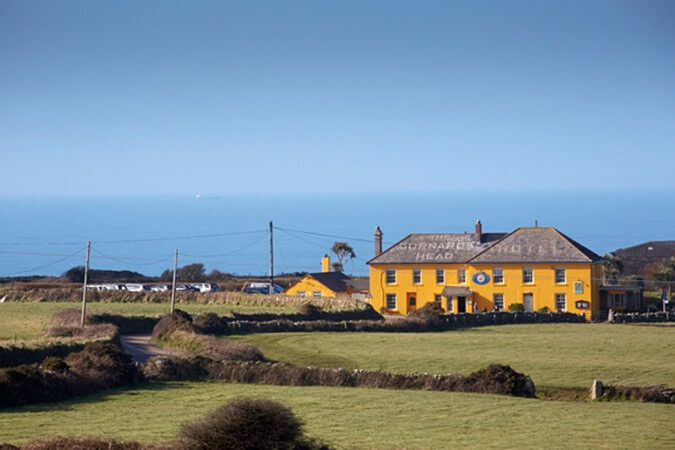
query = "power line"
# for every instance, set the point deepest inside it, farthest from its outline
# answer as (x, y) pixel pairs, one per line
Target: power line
(154, 239)
(332, 236)
(47, 265)
(122, 261)
(216, 255)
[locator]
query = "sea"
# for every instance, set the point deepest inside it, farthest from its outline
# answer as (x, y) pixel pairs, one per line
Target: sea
(231, 233)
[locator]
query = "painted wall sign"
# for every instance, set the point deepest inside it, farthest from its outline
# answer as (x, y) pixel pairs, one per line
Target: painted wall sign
(578, 287)
(481, 278)
(582, 304)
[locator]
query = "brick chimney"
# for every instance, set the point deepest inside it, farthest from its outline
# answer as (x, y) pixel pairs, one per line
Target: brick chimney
(378, 241)
(479, 232)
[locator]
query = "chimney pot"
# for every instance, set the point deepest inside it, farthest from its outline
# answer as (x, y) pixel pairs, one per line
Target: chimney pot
(378, 241)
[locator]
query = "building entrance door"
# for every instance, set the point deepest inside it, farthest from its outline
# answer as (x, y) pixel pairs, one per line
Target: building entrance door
(528, 302)
(461, 304)
(412, 301)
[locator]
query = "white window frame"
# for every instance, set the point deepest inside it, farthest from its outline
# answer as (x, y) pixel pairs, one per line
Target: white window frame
(498, 296)
(417, 276)
(387, 274)
(316, 293)
(529, 270)
(499, 270)
(461, 275)
(441, 272)
(564, 275)
(301, 293)
(558, 297)
(387, 298)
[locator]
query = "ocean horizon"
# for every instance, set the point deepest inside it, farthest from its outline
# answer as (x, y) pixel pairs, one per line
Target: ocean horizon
(230, 233)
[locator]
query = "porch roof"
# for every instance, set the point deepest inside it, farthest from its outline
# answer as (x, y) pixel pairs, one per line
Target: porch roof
(456, 291)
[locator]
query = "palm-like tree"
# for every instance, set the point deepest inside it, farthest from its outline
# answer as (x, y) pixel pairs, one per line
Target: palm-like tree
(611, 268)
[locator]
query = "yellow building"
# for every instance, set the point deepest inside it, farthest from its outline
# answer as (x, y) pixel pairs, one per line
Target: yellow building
(538, 267)
(328, 284)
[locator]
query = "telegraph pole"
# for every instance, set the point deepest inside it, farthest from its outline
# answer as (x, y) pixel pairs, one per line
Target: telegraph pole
(271, 290)
(173, 285)
(84, 286)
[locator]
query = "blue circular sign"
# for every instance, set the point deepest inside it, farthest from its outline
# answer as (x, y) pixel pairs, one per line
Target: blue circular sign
(481, 278)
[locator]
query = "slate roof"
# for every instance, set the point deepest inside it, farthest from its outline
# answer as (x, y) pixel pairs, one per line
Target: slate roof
(437, 248)
(335, 281)
(523, 245)
(358, 285)
(536, 245)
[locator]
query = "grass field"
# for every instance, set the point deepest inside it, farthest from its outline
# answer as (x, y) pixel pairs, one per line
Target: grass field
(27, 321)
(569, 355)
(359, 418)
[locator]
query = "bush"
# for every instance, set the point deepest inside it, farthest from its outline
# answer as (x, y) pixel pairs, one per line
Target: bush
(544, 310)
(246, 424)
(179, 320)
(98, 366)
(103, 365)
(516, 307)
(501, 379)
(80, 443)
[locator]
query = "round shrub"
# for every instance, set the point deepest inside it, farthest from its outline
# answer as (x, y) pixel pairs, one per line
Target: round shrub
(179, 320)
(245, 424)
(516, 307)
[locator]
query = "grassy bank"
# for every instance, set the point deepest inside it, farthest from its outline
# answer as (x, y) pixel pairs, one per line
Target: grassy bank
(358, 418)
(26, 321)
(570, 355)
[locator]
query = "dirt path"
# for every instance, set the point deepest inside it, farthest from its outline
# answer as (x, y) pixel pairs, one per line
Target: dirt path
(141, 349)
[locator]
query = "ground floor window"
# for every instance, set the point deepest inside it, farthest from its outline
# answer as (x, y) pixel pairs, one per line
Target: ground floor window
(498, 300)
(438, 298)
(560, 302)
(391, 301)
(448, 303)
(316, 293)
(301, 293)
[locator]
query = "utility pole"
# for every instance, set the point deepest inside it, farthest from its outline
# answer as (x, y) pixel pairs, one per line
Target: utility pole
(84, 286)
(173, 285)
(271, 290)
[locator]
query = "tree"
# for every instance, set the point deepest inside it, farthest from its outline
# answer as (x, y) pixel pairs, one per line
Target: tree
(666, 274)
(343, 251)
(190, 273)
(611, 268)
(75, 274)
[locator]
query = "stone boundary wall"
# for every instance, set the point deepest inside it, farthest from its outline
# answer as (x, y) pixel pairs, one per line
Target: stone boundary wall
(436, 323)
(642, 317)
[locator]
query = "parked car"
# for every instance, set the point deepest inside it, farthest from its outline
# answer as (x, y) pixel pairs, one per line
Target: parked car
(205, 287)
(262, 288)
(186, 287)
(133, 287)
(160, 288)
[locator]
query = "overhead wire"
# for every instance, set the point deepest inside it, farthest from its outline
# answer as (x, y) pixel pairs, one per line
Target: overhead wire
(49, 264)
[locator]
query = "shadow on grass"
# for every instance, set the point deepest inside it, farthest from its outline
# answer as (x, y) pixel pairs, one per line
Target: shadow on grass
(68, 404)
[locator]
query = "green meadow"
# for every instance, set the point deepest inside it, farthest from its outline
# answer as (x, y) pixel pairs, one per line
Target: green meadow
(26, 321)
(554, 355)
(564, 354)
(358, 418)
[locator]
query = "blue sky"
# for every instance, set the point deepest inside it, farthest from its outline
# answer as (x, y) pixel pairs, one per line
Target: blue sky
(161, 97)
